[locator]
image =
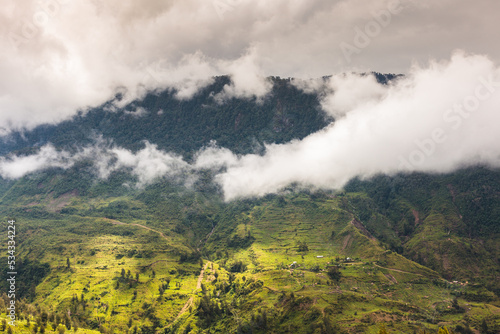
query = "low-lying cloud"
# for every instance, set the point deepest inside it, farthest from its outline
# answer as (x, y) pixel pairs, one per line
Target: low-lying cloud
(436, 119)
(148, 164)
(48, 157)
(344, 92)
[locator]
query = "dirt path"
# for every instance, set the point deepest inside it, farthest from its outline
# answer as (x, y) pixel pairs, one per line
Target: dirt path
(116, 222)
(190, 300)
(271, 289)
(209, 235)
(204, 241)
(391, 278)
(399, 271)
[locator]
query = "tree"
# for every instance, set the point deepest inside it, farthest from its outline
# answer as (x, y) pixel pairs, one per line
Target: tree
(168, 282)
(123, 273)
(382, 330)
(484, 327)
(334, 273)
(238, 267)
(327, 326)
(302, 246)
(187, 329)
(68, 264)
(67, 322)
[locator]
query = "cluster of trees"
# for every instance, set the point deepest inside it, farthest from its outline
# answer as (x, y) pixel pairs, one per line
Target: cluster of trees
(40, 320)
(241, 242)
(223, 297)
(334, 273)
(29, 274)
(126, 277)
(191, 257)
(302, 246)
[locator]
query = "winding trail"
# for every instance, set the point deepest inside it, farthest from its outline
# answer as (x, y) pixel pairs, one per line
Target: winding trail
(399, 271)
(190, 300)
(116, 222)
(200, 277)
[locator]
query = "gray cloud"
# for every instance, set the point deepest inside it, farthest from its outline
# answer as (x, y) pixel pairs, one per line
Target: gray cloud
(59, 56)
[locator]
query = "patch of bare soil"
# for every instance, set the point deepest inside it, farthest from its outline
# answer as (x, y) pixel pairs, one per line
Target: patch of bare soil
(57, 204)
(359, 225)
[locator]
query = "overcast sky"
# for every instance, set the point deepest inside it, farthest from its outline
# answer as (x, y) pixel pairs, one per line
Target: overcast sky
(58, 56)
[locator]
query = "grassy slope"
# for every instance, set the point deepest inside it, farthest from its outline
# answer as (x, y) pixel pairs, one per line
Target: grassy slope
(448, 223)
(379, 285)
(98, 251)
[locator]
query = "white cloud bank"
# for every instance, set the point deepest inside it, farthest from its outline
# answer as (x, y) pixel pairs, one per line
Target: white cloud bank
(148, 164)
(48, 157)
(436, 119)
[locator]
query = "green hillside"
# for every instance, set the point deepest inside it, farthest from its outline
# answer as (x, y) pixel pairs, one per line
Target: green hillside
(304, 262)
